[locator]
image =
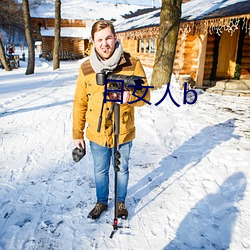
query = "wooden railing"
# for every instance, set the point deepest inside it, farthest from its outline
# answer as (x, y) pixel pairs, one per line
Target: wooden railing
(64, 55)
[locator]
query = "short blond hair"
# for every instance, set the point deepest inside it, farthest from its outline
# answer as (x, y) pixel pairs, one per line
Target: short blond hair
(101, 24)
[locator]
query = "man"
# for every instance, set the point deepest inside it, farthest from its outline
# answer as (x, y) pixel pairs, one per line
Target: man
(107, 54)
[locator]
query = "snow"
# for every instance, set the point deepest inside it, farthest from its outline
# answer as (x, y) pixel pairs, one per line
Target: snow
(84, 33)
(139, 2)
(145, 20)
(196, 9)
(86, 10)
(189, 170)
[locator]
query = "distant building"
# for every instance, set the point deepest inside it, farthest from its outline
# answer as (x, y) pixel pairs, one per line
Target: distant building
(77, 19)
(74, 37)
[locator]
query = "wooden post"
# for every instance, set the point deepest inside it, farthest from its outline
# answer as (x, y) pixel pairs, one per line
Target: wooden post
(140, 40)
(149, 45)
(144, 45)
(201, 60)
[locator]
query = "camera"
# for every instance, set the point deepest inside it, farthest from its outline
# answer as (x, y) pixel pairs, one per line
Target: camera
(78, 153)
(118, 82)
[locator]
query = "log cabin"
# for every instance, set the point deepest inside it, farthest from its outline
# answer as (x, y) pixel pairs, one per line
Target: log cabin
(74, 37)
(213, 41)
(77, 19)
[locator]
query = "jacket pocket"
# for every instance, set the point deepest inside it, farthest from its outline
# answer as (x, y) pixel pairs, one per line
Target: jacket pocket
(126, 119)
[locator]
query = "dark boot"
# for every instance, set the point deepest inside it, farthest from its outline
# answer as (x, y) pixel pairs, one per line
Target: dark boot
(122, 211)
(97, 210)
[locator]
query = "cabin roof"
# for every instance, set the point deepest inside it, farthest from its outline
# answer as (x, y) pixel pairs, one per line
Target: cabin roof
(208, 9)
(193, 10)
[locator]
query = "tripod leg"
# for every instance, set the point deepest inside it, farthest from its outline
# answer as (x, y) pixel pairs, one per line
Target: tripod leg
(116, 161)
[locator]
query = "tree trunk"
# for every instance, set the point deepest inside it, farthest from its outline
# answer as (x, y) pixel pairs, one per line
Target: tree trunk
(168, 34)
(56, 59)
(3, 57)
(28, 33)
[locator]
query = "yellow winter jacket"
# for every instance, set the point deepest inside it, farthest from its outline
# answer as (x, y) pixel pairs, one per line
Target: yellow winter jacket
(88, 102)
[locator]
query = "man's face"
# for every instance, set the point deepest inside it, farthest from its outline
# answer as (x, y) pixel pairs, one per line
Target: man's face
(104, 42)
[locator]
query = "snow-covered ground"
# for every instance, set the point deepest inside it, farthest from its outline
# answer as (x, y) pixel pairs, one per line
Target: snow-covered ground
(189, 170)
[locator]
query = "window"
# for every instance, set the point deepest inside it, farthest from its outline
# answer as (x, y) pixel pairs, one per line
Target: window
(146, 45)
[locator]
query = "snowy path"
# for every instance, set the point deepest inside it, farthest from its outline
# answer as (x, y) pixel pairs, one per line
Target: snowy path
(189, 171)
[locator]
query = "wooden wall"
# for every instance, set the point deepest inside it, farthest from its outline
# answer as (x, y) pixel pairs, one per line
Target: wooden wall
(178, 61)
(186, 56)
(38, 23)
(209, 59)
(131, 46)
(50, 22)
(185, 62)
(245, 60)
(47, 45)
(146, 59)
(73, 45)
(213, 50)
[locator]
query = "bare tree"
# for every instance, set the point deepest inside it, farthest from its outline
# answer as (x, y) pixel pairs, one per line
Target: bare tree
(3, 57)
(56, 59)
(11, 24)
(28, 33)
(36, 3)
(168, 34)
(11, 16)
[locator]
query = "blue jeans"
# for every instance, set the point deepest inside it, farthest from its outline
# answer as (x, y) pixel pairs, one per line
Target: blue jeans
(102, 158)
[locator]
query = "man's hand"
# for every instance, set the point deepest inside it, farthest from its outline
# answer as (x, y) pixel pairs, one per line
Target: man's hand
(79, 151)
(79, 143)
(126, 96)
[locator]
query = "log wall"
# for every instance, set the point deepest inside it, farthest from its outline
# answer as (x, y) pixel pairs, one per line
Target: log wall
(186, 56)
(50, 22)
(73, 45)
(245, 60)
(178, 61)
(209, 57)
(132, 46)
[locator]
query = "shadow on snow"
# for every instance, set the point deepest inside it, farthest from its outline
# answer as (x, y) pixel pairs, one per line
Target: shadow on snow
(23, 110)
(209, 225)
(212, 224)
(190, 153)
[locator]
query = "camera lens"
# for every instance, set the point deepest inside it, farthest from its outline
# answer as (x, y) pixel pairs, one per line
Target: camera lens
(114, 96)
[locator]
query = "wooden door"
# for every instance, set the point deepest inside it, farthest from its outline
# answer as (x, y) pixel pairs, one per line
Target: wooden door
(227, 55)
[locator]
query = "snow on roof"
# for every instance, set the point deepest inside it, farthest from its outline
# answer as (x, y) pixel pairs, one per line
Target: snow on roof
(145, 20)
(197, 9)
(80, 32)
(85, 10)
(192, 10)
